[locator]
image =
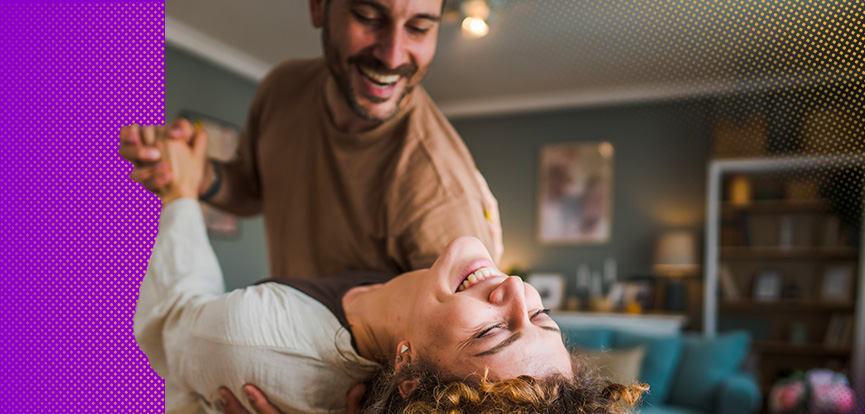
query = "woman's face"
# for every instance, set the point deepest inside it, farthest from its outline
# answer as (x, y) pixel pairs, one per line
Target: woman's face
(466, 316)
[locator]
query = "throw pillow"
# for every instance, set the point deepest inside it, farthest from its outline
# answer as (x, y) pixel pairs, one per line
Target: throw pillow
(586, 338)
(705, 362)
(659, 364)
(619, 365)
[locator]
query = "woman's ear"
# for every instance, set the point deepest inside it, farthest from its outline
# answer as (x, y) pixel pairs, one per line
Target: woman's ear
(316, 12)
(404, 354)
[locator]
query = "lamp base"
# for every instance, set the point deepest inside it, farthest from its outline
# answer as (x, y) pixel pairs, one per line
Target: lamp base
(674, 296)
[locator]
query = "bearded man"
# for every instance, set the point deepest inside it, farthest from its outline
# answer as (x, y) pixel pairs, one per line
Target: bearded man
(347, 157)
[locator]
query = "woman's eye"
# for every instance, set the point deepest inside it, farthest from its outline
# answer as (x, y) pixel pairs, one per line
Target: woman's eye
(545, 312)
(486, 331)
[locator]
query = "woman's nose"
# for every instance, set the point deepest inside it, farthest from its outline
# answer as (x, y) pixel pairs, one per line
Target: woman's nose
(510, 292)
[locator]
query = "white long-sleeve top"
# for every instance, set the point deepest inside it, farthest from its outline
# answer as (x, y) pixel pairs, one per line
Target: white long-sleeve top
(200, 338)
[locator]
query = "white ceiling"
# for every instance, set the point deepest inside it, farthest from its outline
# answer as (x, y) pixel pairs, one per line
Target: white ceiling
(543, 54)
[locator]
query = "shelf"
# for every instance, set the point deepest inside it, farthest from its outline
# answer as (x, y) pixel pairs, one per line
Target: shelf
(780, 348)
(787, 253)
(783, 305)
(777, 207)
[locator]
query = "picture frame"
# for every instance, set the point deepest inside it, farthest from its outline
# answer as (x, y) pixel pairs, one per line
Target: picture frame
(837, 282)
(551, 287)
(768, 284)
(223, 139)
(575, 191)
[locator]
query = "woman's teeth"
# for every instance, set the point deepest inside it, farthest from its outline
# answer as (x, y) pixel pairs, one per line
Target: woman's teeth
(476, 277)
(379, 78)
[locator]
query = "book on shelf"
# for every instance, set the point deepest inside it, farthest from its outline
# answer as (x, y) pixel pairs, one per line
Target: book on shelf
(729, 288)
(839, 331)
(831, 232)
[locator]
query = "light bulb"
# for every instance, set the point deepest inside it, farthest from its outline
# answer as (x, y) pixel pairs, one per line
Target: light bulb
(475, 27)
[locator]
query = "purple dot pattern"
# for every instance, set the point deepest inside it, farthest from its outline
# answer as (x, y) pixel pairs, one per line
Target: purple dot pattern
(77, 232)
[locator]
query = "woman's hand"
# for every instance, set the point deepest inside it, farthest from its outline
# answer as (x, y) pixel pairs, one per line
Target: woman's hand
(187, 164)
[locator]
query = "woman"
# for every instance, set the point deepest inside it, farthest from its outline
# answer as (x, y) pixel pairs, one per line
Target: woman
(305, 346)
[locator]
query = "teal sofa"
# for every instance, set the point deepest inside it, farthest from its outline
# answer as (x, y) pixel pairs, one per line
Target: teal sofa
(687, 373)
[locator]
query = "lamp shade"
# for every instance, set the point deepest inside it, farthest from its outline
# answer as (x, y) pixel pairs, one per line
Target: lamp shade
(676, 254)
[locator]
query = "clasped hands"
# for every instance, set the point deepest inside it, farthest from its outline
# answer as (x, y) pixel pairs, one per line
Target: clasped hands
(170, 161)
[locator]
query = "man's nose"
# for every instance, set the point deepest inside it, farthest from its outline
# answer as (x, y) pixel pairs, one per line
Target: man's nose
(391, 47)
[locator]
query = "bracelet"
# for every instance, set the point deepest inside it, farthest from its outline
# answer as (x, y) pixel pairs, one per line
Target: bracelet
(215, 185)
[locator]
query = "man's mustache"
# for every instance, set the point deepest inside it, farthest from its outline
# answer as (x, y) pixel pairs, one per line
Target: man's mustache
(406, 70)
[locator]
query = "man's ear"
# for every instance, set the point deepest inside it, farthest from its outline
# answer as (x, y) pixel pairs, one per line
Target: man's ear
(316, 12)
(404, 354)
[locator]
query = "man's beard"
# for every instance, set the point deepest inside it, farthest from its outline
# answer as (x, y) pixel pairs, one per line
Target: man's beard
(343, 79)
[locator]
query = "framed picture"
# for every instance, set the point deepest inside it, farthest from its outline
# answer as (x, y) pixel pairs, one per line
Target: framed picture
(768, 284)
(837, 283)
(575, 193)
(223, 139)
(550, 286)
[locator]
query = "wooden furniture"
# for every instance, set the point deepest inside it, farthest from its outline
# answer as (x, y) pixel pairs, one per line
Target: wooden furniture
(769, 258)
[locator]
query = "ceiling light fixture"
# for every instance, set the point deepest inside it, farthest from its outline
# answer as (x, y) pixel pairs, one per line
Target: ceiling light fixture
(475, 15)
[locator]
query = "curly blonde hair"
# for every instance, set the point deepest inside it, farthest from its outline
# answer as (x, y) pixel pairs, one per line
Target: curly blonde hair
(583, 393)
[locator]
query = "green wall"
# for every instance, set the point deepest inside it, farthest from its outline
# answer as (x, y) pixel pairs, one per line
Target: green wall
(197, 85)
(661, 153)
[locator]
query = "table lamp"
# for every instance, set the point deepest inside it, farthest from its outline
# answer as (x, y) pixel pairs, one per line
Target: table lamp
(675, 257)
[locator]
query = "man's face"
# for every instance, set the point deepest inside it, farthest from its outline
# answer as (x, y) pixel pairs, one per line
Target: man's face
(378, 50)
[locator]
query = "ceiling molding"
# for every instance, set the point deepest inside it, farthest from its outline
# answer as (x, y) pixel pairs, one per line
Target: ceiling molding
(199, 44)
(634, 94)
(509, 105)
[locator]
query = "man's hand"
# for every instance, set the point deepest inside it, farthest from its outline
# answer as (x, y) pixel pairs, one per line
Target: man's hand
(261, 405)
(138, 145)
(259, 402)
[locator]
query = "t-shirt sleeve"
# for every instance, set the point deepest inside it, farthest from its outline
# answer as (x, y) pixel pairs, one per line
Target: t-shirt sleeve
(426, 237)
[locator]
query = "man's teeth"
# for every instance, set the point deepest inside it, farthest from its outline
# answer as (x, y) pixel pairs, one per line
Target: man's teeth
(476, 277)
(379, 78)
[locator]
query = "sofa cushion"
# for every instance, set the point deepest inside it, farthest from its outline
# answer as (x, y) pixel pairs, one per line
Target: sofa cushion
(619, 365)
(666, 409)
(704, 363)
(659, 364)
(587, 338)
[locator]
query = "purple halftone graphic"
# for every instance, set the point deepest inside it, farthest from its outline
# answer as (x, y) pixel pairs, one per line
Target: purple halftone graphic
(77, 232)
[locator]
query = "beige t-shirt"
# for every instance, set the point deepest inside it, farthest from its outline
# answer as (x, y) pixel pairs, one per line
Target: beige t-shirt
(386, 200)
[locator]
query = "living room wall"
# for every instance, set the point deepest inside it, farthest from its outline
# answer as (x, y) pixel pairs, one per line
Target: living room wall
(194, 84)
(661, 151)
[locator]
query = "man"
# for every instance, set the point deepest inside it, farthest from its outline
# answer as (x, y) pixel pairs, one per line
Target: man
(349, 160)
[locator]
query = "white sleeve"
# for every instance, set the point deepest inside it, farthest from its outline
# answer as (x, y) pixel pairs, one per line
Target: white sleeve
(182, 268)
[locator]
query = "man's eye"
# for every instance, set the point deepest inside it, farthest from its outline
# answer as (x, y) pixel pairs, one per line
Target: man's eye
(366, 18)
(418, 30)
